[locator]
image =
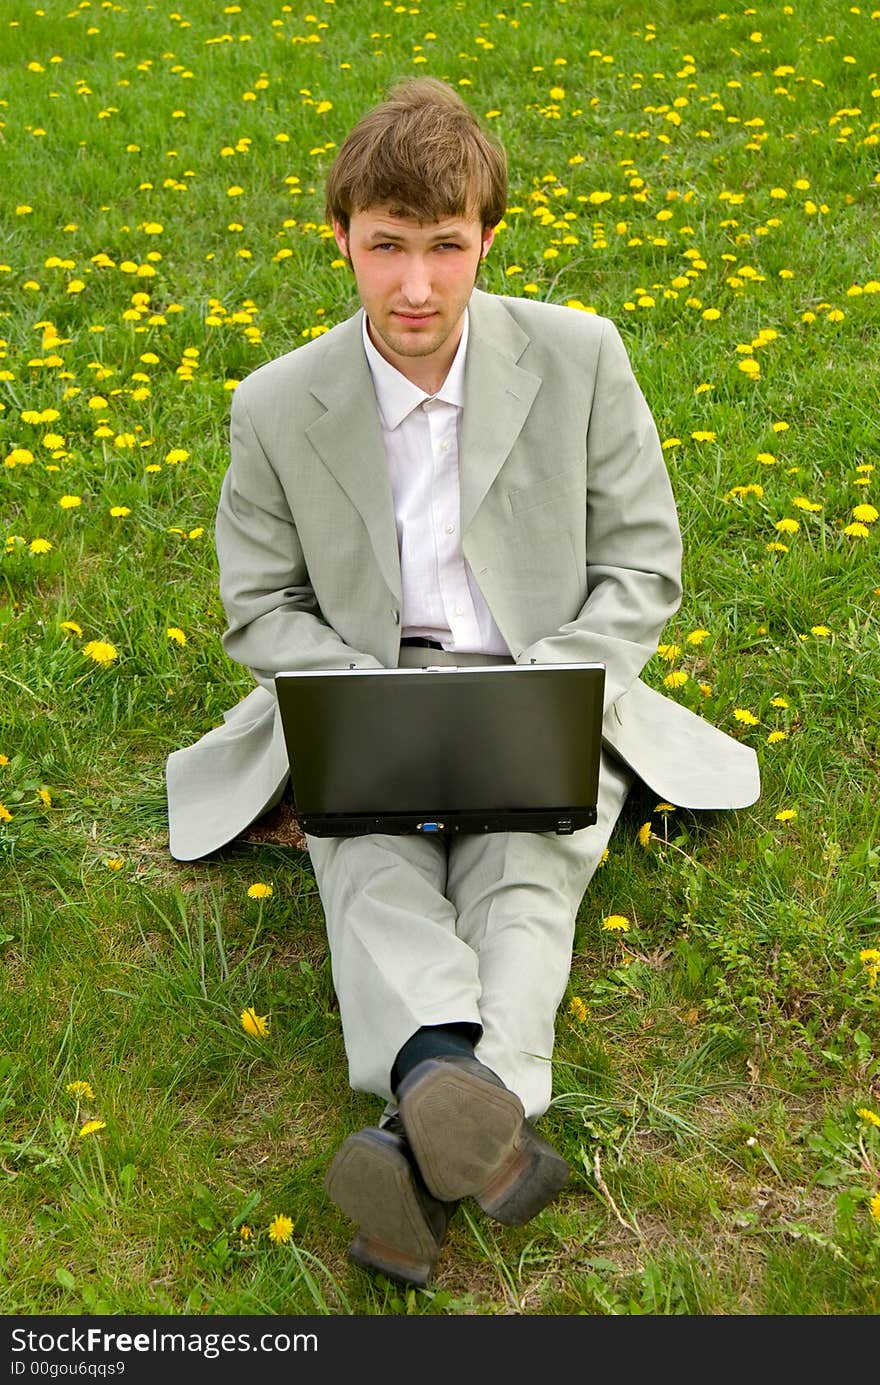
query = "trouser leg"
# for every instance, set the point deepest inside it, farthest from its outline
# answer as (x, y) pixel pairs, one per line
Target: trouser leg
(516, 896)
(397, 962)
(486, 940)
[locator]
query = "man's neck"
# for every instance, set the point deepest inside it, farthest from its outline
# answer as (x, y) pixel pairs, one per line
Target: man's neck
(428, 373)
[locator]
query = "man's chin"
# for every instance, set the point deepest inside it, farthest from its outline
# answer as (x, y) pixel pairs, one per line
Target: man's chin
(414, 343)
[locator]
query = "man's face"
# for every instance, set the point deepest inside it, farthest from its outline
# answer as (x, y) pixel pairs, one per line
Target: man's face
(414, 280)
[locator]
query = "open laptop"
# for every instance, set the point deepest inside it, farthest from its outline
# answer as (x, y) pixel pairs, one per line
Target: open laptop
(485, 748)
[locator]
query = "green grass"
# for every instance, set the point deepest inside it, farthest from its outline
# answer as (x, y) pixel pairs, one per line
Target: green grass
(709, 1084)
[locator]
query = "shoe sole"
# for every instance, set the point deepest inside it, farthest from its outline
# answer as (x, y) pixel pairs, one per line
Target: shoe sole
(470, 1139)
(372, 1183)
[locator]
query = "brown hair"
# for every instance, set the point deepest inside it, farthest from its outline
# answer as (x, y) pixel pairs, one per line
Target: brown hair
(423, 152)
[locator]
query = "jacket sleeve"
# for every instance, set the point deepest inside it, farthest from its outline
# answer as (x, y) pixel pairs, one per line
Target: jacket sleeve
(633, 542)
(274, 621)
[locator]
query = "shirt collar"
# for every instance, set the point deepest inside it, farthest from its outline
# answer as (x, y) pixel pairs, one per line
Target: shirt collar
(397, 396)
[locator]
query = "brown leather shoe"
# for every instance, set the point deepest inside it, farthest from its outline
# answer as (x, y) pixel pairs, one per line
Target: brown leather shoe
(401, 1227)
(469, 1137)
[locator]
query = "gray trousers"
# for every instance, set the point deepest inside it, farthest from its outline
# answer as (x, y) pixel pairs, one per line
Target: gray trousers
(475, 928)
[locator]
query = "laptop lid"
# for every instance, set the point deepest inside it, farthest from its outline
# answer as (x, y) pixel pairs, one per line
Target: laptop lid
(486, 748)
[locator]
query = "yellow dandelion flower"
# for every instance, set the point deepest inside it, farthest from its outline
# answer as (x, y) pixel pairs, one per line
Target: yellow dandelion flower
(779, 702)
(280, 1229)
(40, 546)
(820, 630)
(255, 1025)
(871, 958)
(616, 923)
(177, 454)
(676, 679)
(645, 835)
(664, 807)
(874, 1206)
(787, 526)
(245, 1232)
(80, 1089)
(101, 652)
(745, 716)
(776, 736)
(786, 814)
(857, 531)
(697, 637)
(577, 1009)
(72, 626)
(70, 502)
(19, 456)
(91, 1128)
(5, 815)
(45, 797)
(259, 890)
(114, 862)
(865, 514)
(604, 857)
(175, 634)
(119, 511)
(870, 1116)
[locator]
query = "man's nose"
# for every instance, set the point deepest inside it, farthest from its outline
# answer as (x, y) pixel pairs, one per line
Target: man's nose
(416, 285)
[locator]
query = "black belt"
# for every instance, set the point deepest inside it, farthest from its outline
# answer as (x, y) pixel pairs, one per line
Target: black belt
(417, 642)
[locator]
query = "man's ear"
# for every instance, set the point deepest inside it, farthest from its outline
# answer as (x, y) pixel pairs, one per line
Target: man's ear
(341, 238)
(488, 237)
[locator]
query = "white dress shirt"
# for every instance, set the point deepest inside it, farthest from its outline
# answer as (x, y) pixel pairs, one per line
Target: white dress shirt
(422, 433)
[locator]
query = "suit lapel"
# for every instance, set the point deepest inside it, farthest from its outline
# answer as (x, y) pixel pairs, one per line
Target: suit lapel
(348, 439)
(498, 395)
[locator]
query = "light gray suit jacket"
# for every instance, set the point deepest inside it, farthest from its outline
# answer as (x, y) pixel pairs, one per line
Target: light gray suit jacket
(567, 520)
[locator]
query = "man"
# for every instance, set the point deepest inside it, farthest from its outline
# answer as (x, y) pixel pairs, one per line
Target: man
(447, 477)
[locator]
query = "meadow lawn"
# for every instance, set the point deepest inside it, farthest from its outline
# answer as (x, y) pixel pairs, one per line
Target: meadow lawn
(172, 1075)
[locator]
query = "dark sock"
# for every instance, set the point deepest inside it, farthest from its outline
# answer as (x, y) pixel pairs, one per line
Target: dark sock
(434, 1041)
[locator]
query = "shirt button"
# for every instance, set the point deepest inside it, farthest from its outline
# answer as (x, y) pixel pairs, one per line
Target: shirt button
(450, 528)
(444, 447)
(459, 610)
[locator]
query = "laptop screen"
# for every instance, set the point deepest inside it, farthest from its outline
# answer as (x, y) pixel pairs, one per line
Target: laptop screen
(442, 744)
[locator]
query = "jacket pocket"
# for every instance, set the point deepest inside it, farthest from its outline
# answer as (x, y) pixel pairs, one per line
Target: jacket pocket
(561, 486)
